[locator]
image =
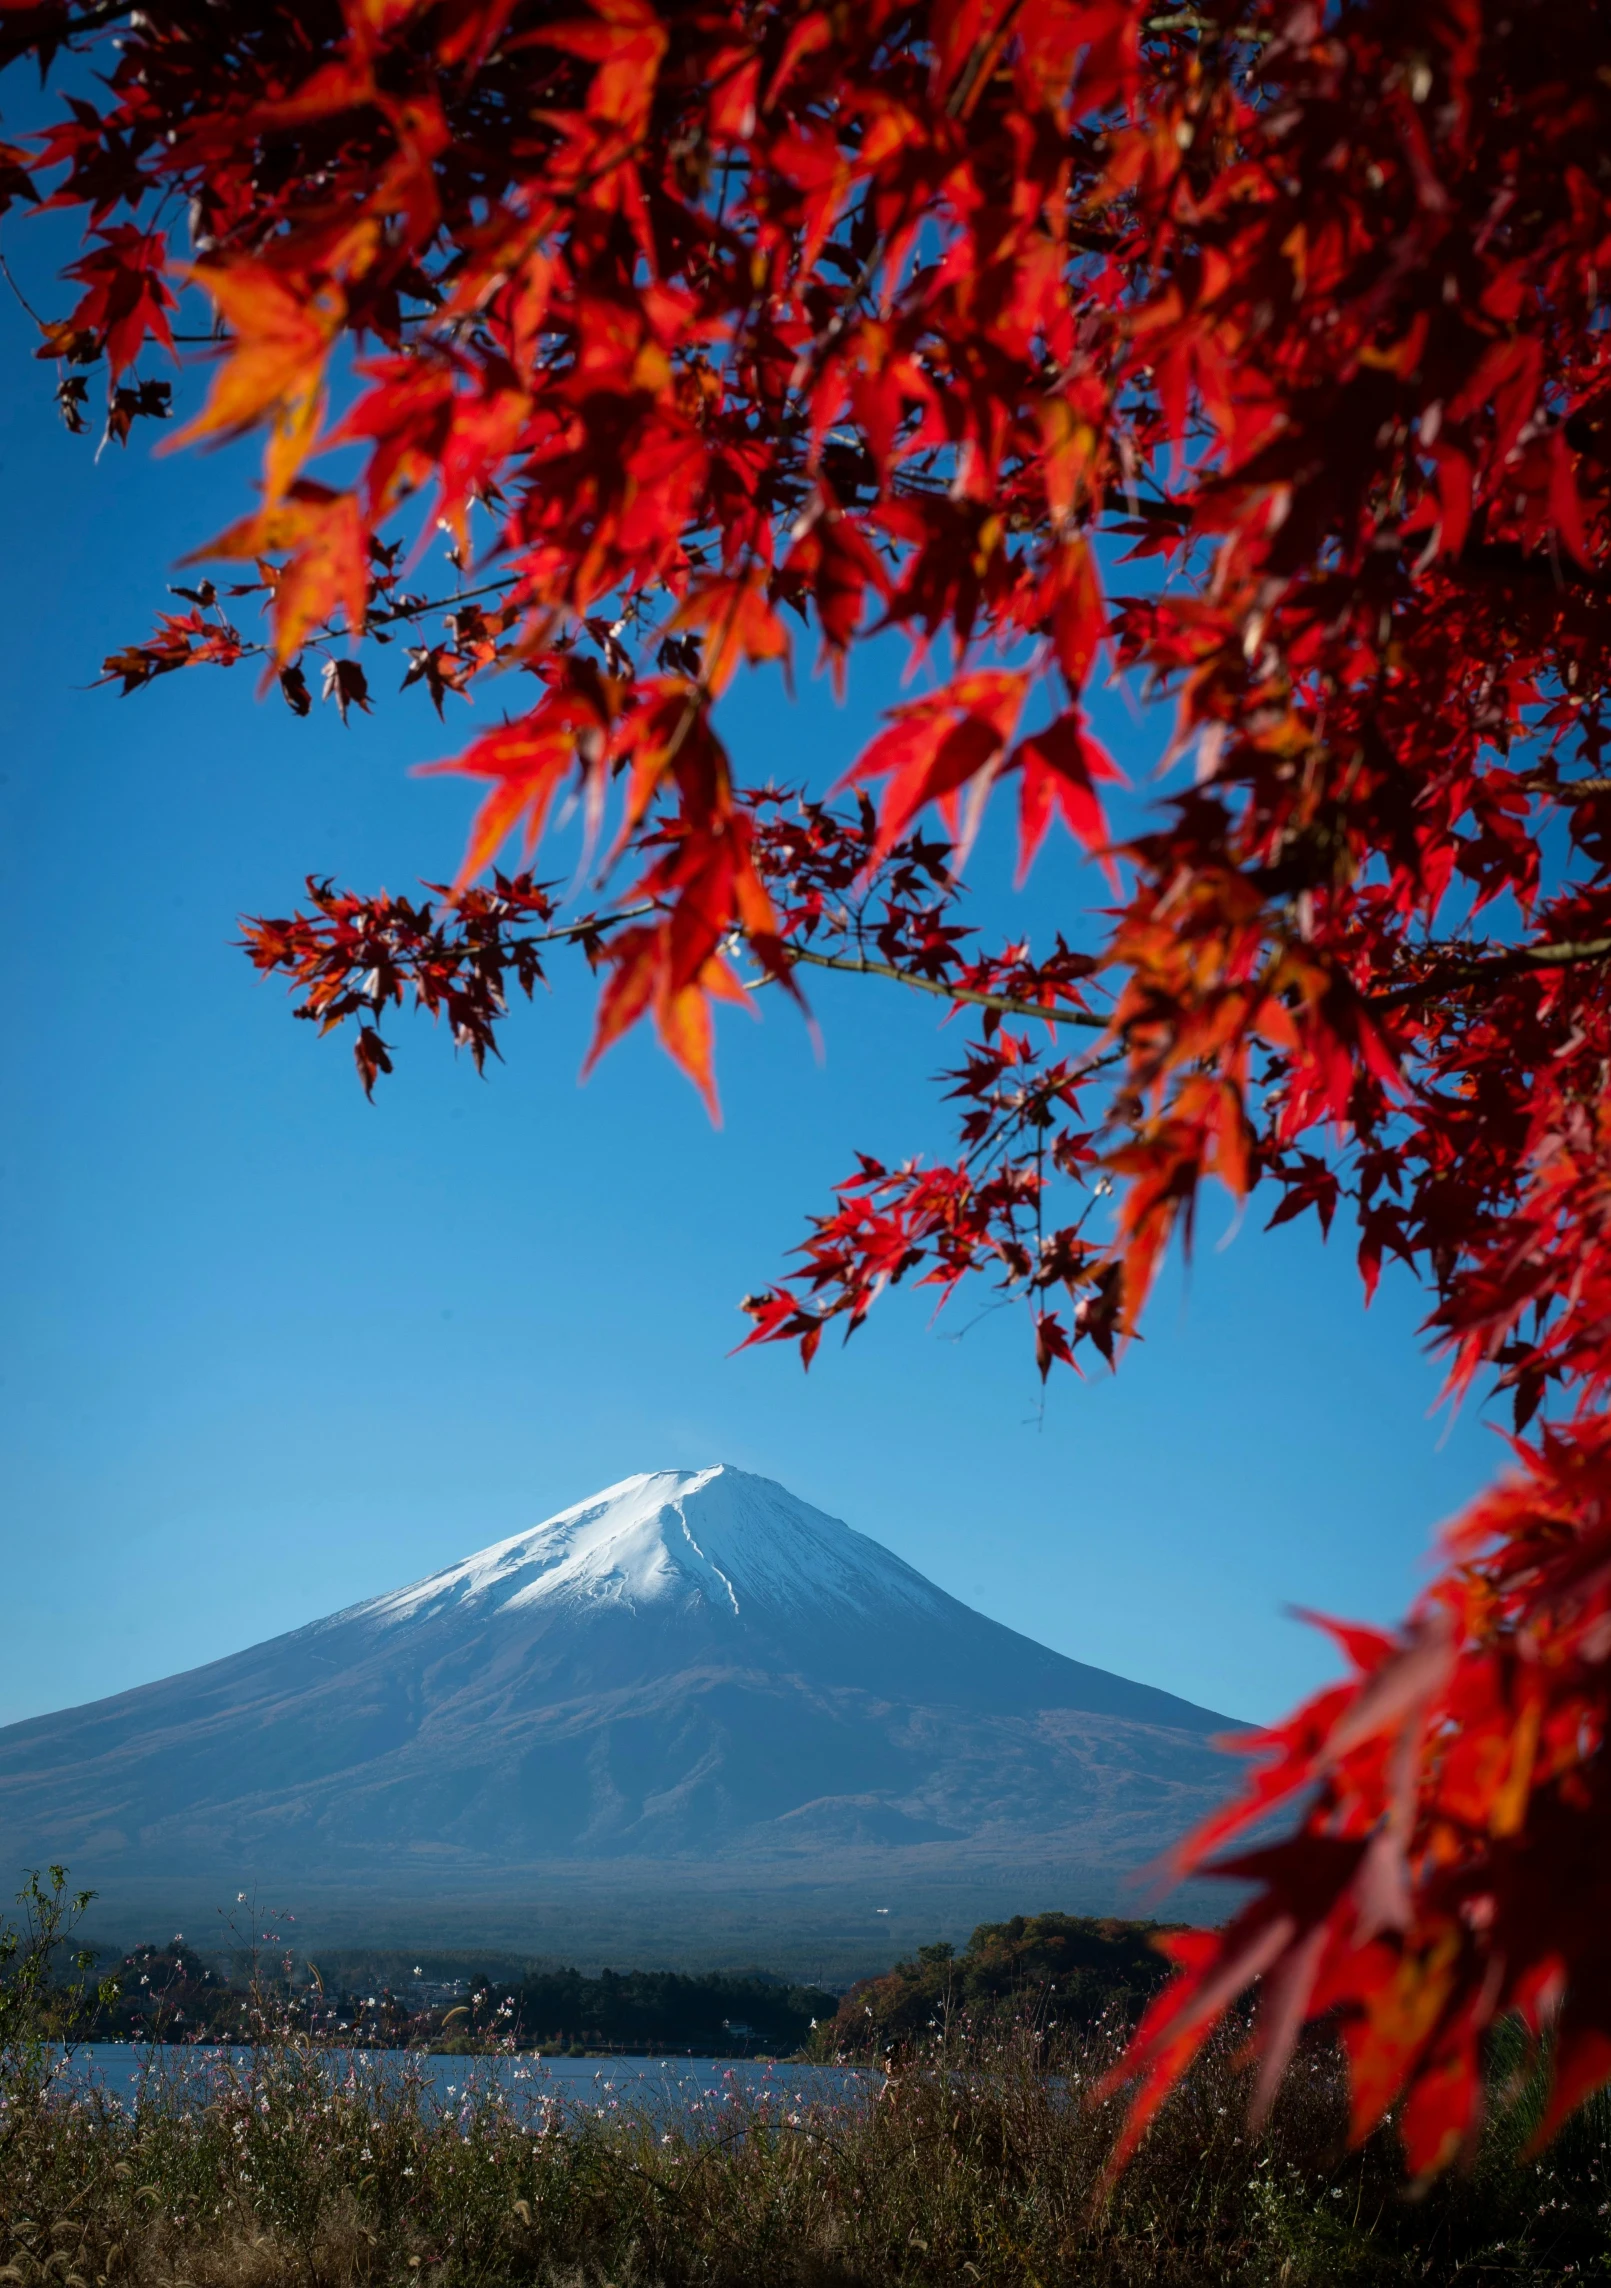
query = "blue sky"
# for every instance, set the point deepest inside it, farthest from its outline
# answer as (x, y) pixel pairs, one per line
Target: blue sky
(268, 1349)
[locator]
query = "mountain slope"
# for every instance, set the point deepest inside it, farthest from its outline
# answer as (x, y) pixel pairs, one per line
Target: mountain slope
(691, 1668)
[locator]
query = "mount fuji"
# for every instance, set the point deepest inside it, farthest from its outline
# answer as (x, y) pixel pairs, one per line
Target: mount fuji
(693, 1672)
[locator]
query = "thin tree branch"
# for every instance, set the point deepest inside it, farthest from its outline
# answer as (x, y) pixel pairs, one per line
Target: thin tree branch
(5, 273)
(417, 607)
(1516, 961)
(588, 926)
(1568, 790)
(1004, 1003)
(1567, 954)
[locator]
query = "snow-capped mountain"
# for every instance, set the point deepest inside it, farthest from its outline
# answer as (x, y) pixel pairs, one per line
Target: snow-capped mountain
(692, 1668)
(634, 1548)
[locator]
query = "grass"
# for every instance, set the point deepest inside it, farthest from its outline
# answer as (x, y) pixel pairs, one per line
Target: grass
(965, 2167)
(976, 2161)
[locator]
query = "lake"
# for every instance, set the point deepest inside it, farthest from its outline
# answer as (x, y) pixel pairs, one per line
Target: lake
(700, 2088)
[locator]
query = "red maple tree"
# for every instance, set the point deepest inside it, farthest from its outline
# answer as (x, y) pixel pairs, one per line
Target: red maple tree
(685, 321)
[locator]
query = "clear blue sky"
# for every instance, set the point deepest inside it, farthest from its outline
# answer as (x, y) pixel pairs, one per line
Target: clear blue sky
(268, 1349)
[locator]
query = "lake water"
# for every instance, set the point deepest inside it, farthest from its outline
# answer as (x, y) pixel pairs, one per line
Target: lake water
(697, 2088)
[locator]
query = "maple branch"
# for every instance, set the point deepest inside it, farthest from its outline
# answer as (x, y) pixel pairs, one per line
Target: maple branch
(1004, 1003)
(1193, 20)
(411, 608)
(1567, 954)
(985, 53)
(1039, 1095)
(5, 273)
(1568, 790)
(590, 925)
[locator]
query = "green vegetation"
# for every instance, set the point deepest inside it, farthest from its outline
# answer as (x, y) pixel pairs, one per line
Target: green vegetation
(460, 2003)
(1036, 1971)
(1048, 1971)
(713, 2015)
(970, 2165)
(45, 1985)
(976, 2172)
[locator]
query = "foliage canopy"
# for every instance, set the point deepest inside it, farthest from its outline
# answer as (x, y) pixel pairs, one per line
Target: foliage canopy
(681, 317)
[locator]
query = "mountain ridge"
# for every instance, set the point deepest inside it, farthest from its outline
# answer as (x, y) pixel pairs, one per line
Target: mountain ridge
(690, 1668)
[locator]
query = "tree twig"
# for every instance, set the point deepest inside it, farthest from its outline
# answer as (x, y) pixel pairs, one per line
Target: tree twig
(1004, 1003)
(1568, 790)
(1515, 962)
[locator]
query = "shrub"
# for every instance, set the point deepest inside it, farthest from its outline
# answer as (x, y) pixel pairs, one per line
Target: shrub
(1047, 1970)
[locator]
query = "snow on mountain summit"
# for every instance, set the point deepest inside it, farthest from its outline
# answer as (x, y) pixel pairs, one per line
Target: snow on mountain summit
(719, 1538)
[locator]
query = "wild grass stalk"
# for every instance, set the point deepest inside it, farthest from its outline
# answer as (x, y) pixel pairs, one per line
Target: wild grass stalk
(975, 2158)
(977, 2162)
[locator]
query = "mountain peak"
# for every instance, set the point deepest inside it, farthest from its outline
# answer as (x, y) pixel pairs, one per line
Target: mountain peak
(719, 1537)
(691, 1668)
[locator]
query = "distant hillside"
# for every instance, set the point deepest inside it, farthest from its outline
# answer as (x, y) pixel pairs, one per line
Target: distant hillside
(168, 1993)
(1040, 1971)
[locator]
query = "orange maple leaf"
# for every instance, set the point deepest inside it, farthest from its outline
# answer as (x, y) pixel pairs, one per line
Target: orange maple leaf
(275, 366)
(739, 624)
(328, 540)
